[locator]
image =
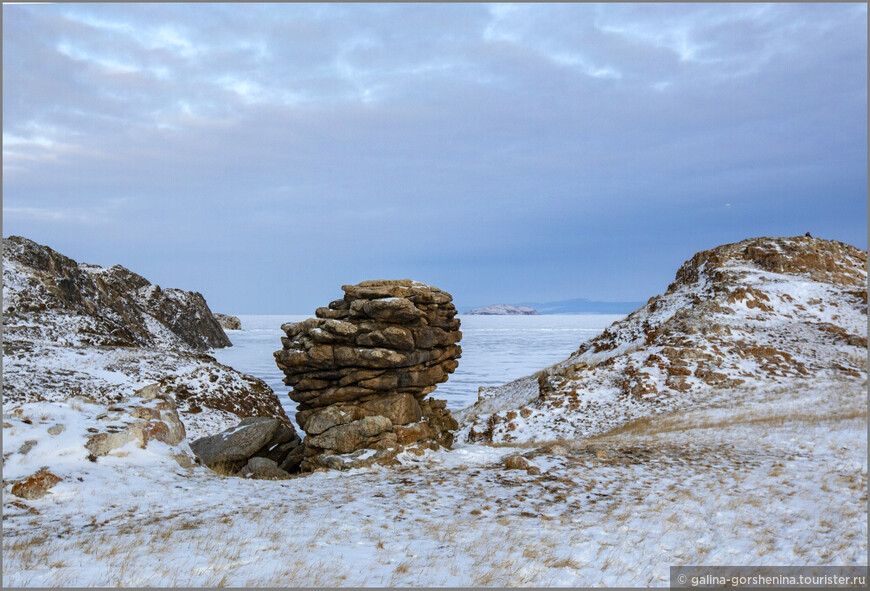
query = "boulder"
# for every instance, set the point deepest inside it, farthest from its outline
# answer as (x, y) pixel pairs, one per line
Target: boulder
(35, 486)
(237, 444)
(252, 440)
(228, 322)
(362, 368)
(293, 461)
(263, 469)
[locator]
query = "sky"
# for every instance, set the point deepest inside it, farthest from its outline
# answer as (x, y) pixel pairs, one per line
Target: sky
(264, 155)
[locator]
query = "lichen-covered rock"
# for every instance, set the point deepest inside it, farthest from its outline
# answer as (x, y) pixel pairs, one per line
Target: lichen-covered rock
(35, 486)
(361, 371)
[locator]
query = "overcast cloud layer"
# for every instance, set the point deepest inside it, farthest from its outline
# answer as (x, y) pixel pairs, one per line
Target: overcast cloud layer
(267, 154)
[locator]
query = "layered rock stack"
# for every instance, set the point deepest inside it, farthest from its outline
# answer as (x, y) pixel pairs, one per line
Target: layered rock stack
(361, 371)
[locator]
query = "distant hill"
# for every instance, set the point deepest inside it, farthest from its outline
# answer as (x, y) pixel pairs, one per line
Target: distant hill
(504, 310)
(583, 306)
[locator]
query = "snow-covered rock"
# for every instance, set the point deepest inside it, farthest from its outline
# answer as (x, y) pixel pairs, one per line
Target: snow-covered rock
(102, 369)
(738, 316)
(47, 295)
(228, 322)
(74, 329)
(504, 310)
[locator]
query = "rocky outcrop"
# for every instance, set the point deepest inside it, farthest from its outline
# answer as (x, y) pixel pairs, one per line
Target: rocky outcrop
(741, 315)
(105, 306)
(150, 416)
(65, 440)
(504, 310)
(258, 447)
(228, 322)
(74, 329)
(361, 371)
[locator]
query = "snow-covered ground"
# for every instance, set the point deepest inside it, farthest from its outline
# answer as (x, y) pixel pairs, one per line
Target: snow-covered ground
(777, 476)
(761, 462)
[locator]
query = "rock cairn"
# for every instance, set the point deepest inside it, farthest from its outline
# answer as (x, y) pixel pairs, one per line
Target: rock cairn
(361, 371)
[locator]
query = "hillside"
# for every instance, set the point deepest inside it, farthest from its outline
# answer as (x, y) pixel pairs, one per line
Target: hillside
(739, 316)
(75, 329)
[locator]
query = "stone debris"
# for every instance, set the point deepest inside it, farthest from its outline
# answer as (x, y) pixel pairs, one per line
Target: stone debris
(361, 371)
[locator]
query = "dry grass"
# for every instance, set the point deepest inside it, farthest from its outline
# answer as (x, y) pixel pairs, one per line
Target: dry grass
(843, 406)
(706, 481)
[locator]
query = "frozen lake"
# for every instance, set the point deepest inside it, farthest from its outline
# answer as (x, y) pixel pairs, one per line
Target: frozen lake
(495, 350)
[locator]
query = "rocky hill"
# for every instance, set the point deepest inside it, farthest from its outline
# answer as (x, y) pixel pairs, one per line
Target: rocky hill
(504, 310)
(74, 329)
(100, 306)
(739, 316)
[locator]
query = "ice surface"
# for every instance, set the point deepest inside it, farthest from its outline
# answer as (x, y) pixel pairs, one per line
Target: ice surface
(495, 350)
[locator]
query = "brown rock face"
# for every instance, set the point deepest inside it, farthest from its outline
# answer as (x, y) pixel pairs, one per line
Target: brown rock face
(362, 368)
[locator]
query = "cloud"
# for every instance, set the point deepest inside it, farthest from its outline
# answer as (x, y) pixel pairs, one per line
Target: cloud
(105, 213)
(374, 136)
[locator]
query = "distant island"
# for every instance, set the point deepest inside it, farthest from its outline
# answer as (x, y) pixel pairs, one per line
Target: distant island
(583, 306)
(575, 306)
(504, 310)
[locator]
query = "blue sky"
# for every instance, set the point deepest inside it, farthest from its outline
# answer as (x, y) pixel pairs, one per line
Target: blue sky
(264, 155)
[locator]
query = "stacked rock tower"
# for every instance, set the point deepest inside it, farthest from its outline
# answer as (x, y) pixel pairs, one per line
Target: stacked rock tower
(361, 371)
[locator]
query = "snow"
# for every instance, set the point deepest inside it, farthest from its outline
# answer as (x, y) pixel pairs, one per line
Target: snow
(771, 471)
(782, 485)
